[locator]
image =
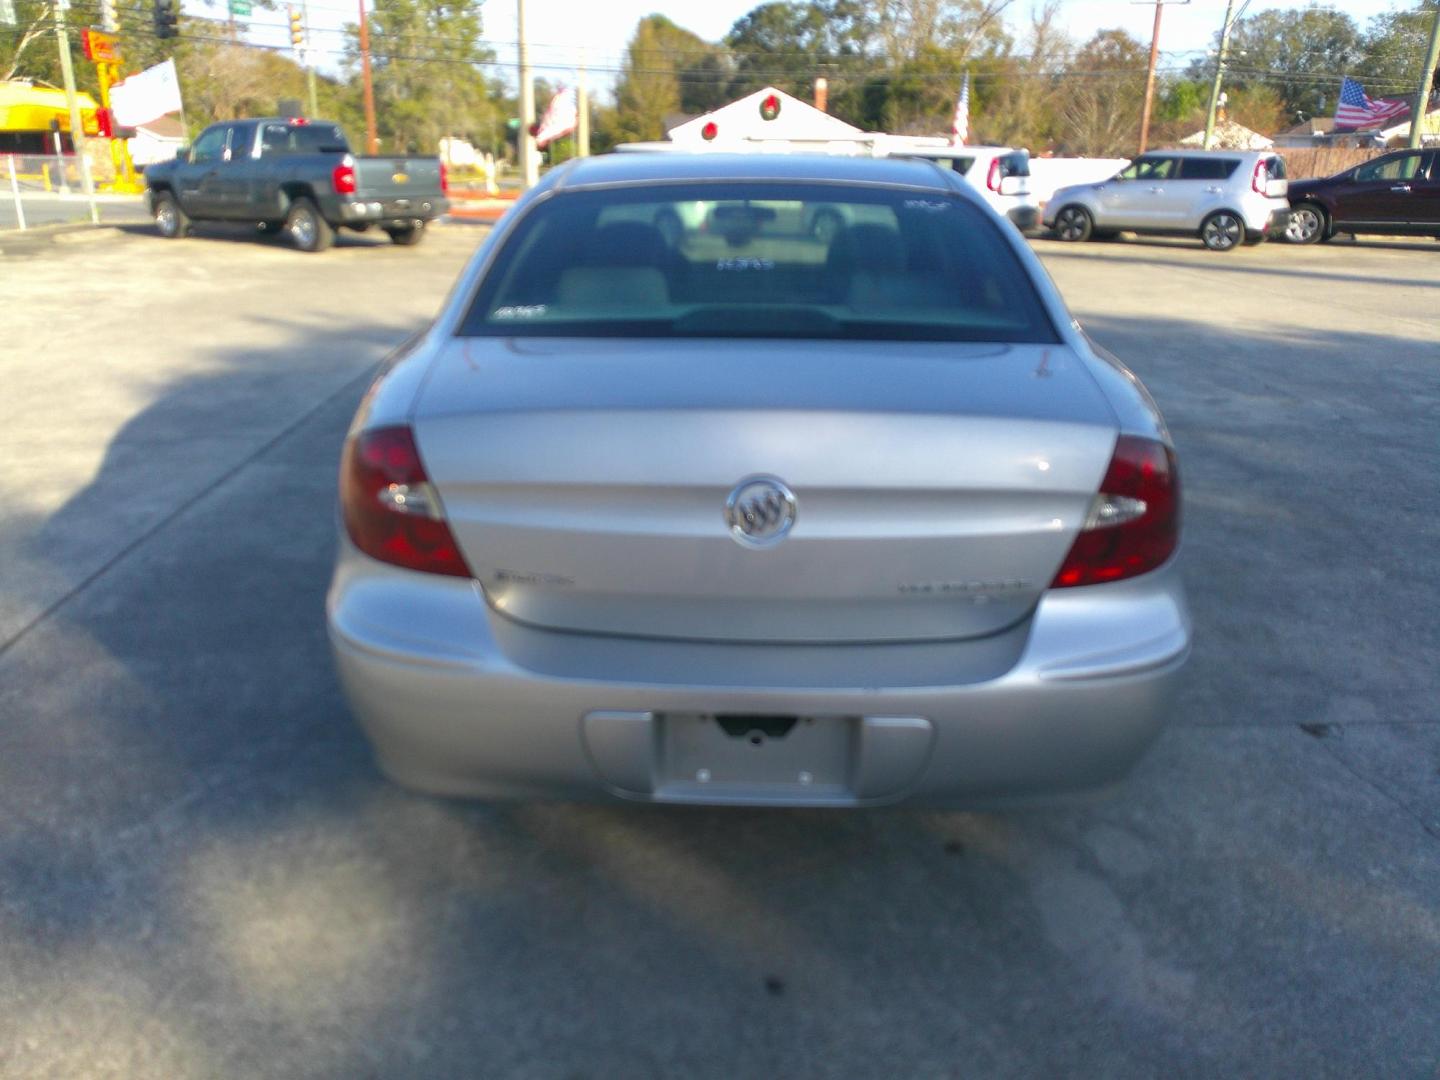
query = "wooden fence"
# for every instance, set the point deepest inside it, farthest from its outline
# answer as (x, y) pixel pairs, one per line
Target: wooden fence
(1302, 162)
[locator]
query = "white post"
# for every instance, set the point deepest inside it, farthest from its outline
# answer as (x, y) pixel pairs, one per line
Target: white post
(77, 128)
(582, 111)
(15, 191)
(529, 152)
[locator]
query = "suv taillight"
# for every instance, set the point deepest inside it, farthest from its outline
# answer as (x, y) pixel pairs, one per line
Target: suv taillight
(1134, 522)
(992, 178)
(1259, 177)
(444, 180)
(391, 510)
(342, 178)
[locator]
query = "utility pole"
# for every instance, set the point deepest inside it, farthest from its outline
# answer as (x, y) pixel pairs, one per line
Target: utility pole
(1150, 72)
(372, 141)
(529, 153)
(77, 126)
(582, 110)
(1422, 99)
(1219, 73)
(309, 59)
(108, 22)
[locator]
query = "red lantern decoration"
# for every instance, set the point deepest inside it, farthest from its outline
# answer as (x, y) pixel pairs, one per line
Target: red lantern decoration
(770, 107)
(709, 131)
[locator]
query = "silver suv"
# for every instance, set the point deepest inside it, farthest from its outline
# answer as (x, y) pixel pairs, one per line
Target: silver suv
(1225, 197)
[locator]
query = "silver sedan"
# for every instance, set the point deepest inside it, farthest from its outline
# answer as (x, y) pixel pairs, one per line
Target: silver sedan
(682, 499)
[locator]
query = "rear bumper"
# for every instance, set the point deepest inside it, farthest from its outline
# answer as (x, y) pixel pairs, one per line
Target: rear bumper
(372, 211)
(457, 700)
(1279, 222)
(1024, 217)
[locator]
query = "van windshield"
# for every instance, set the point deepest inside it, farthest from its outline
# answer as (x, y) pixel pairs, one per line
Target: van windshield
(727, 260)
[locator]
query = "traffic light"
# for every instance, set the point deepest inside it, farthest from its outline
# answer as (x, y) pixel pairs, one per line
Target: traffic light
(297, 28)
(166, 15)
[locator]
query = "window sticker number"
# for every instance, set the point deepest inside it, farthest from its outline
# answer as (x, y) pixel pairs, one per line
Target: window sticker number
(930, 206)
(519, 311)
(744, 264)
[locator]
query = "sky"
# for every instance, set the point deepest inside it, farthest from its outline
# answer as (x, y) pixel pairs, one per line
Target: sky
(559, 29)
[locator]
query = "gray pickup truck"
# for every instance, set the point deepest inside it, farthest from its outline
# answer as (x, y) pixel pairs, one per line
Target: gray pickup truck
(296, 176)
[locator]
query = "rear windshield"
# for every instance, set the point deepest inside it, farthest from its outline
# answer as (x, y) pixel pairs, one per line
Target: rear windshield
(279, 140)
(751, 260)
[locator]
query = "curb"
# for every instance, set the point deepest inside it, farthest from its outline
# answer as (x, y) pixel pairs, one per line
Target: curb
(13, 240)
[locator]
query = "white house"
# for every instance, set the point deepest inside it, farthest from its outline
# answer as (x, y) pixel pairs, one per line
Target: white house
(768, 115)
(1230, 136)
(157, 140)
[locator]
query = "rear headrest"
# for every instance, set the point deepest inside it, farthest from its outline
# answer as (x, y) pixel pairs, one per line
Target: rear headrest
(625, 243)
(875, 248)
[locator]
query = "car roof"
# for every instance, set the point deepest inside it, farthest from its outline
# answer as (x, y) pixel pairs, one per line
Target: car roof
(1206, 153)
(642, 168)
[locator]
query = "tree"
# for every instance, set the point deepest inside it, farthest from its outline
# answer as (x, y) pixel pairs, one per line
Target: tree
(1107, 87)
(667, 72)
(788, 45)
(1300, 53)
(1027, 105)
(1395, 51)
(908, 30)
(429, 82)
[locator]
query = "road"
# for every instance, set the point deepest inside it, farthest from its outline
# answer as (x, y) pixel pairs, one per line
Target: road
(202, 874)
(56, 209)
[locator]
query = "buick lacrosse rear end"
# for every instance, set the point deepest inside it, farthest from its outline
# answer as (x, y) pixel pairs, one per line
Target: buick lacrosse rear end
(681, 499)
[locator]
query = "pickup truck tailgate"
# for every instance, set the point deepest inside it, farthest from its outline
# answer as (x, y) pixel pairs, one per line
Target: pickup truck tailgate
(397, 177)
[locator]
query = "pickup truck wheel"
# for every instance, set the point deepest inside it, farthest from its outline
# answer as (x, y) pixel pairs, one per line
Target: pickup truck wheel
(170, 220)
(407, 235)
(307, 230)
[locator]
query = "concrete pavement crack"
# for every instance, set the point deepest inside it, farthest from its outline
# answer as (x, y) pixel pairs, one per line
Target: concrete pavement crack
(185, 504)
(1433, 830)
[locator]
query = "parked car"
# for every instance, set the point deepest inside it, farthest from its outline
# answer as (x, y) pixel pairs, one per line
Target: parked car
(755, 518)
(1398, 194)
(1000, 174)
(298, 176)
(1226, 198)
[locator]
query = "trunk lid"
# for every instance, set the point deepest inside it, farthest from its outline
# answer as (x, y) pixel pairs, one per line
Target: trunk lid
(397, 177)
(937, 486)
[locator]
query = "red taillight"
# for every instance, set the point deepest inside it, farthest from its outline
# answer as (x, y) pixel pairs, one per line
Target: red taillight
(391, 510)
(444, 179)
(1259, 177)
(992, 179)
(1134, 522)
(342, 178)
(299, 121)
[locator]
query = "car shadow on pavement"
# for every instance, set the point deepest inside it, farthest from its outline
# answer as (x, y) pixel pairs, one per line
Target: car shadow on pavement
(1235, 263)
(205, 875)
(245, 232)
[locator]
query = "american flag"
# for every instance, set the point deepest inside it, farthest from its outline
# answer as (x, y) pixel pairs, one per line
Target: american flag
(560, 117)
(960, 126)
(1357, 112)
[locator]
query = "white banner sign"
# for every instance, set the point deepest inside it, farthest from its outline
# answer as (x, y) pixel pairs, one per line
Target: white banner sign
(147, 96)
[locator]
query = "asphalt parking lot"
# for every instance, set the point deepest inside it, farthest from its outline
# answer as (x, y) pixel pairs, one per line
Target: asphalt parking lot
(202, 874)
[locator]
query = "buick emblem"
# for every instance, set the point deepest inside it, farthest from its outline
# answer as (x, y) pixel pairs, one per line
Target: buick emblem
(760, 511)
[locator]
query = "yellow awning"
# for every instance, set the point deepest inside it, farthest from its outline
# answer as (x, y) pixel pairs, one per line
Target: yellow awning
(24, 107)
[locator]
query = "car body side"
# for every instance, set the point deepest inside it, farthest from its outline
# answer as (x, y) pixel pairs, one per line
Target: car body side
(1178, 204)
(1396, 194)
